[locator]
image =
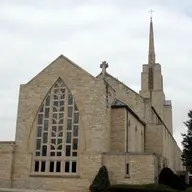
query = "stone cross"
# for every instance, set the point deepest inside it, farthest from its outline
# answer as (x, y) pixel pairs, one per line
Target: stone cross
(104, 66)
(151, 13)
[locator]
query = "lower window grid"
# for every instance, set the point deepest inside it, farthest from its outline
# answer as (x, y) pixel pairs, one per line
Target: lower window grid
(55, 166)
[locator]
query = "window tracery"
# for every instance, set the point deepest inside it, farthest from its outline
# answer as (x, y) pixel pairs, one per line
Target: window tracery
(57, 132)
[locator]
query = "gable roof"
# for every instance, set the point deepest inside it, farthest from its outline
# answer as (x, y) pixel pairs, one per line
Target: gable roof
(66, 59)
(109, 75)
(119, 104)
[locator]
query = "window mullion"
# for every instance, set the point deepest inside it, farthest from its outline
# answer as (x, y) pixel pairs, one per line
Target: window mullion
(49, 130)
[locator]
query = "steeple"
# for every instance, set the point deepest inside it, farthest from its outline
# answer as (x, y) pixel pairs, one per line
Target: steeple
(151, 56)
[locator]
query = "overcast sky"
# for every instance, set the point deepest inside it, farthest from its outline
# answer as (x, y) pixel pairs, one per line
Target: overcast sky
(34, 33)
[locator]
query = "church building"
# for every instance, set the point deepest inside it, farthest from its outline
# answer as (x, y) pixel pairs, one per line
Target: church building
(70, 123)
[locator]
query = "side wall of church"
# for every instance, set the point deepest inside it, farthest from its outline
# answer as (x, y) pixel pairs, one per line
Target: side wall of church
(154, 139)
(93, 127)
(121, 122)
(168, 118)
(118, 129)
(171, 152)
(141, 168)
(6, 158)
(135, 134)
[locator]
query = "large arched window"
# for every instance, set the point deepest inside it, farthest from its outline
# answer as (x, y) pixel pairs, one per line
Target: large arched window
(57, 126)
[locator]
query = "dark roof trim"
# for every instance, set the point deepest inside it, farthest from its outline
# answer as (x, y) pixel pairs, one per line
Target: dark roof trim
(129, 110)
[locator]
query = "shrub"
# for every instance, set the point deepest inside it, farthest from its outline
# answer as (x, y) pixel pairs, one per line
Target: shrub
(167, 177)
(101, 181)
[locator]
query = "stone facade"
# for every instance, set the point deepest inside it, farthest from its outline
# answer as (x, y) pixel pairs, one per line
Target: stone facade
(70, 123)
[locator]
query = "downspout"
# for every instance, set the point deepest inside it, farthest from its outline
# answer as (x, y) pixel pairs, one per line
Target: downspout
(127, 126)
(126, 142)
(12, 164)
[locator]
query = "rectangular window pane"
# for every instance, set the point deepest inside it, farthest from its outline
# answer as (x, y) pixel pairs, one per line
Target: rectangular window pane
(75, 131)
(70, 110)
(47, 102)
(75, 107)
(70, 99)
(42, 107)
(76, 118)
(45, 137)
(46, 124)
(61, 103)
(59, 154)
(74, 167)
(51, 168)
(36, 166)
(40, 119)
(62, 96)
(127, 169)
(37, 153)
(46, 112)
(44, 150)
(43, 165)
(75, 144)
(39, 131)
(55, 97)
(58, 166)
(68, 150)
(52, 154)
(74, 154)
(67, 166)
(68, 139)
(38, 144)
(60, 127)
(69, 124)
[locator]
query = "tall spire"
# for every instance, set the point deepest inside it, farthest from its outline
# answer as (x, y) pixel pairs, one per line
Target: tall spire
(151, 56)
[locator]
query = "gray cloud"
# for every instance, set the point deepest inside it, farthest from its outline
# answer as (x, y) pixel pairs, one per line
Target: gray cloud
(33, 33)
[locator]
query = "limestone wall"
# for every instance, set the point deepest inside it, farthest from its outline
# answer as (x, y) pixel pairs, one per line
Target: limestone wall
(6, 157)
(135, 134)
(89, 95)
(118, 130)
(142, 168)
(154, 139)
(168, 118)
(89, 164)
(126, 132)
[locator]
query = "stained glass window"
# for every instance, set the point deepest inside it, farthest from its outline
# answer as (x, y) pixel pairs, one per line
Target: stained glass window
(57, 132)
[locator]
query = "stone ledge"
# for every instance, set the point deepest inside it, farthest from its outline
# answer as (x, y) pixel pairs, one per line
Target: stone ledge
(56, 175)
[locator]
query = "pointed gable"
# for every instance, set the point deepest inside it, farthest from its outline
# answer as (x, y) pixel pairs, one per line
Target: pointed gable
(60, 59)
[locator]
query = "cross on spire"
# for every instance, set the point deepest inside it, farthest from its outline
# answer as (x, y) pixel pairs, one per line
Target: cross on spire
(151, 13)
(104, 65)
(151, 57)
